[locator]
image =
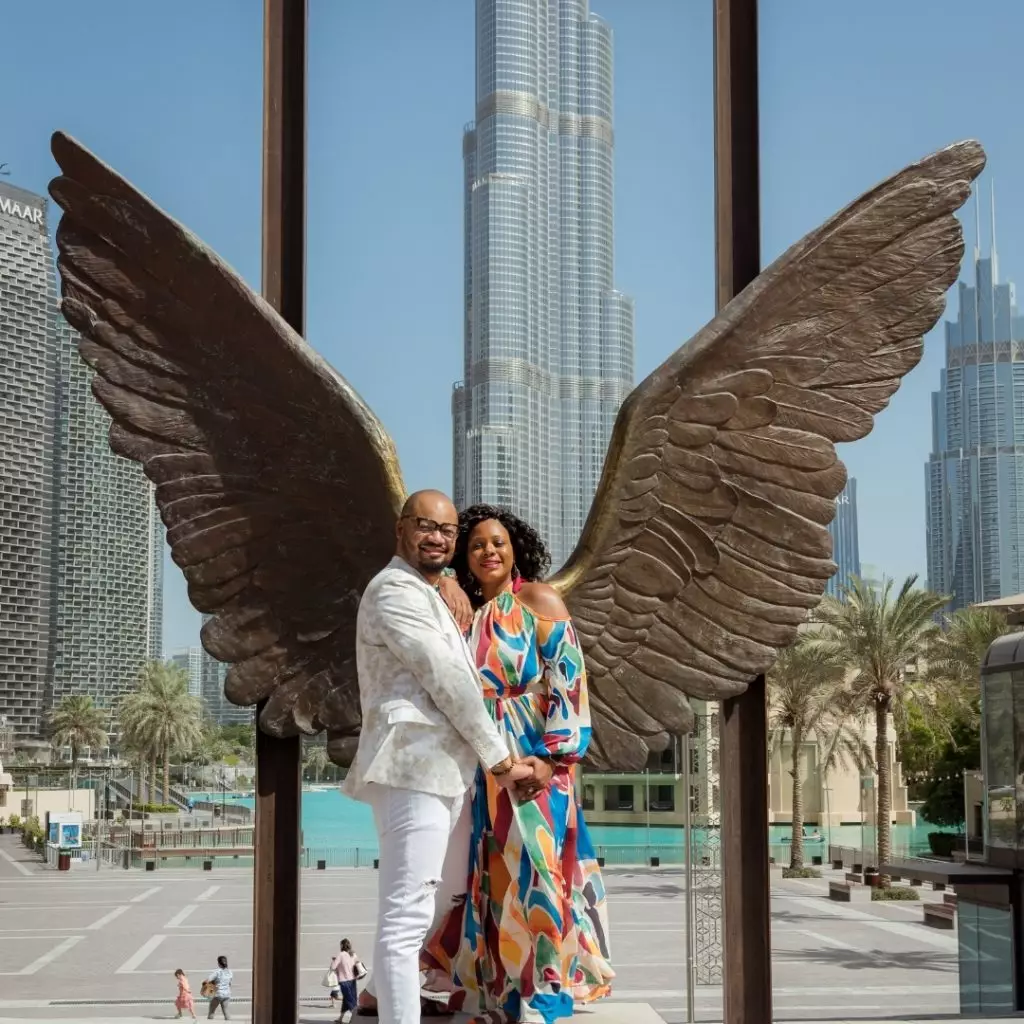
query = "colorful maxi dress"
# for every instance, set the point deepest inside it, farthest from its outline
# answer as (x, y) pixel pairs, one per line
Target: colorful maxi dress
(534, 927)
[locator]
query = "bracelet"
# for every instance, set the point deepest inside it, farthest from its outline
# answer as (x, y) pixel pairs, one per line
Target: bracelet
(502, 767)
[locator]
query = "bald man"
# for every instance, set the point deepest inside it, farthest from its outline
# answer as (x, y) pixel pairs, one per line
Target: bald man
(425, 730)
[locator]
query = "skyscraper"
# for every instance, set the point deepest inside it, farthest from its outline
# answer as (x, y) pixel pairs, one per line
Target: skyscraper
(218, 707)
(548, 355)
(845, 543)
(27, 395)
(109, 585)
(155, 539)
(975, 475)
(190, 661)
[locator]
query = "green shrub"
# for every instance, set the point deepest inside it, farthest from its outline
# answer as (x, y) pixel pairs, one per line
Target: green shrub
(15, 821)
(156, 808)
(31, 831)
(801, 873)
(894, 892)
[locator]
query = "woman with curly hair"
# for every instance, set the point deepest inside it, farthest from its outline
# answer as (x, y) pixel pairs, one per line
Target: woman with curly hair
(531, 938)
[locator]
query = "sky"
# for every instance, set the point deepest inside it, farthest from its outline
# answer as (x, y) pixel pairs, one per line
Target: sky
(171, 94)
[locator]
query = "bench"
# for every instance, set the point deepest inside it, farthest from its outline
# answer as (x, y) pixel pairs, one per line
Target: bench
(949, 898)
(855, 876)
(939, 915)
(938, 886)
(849, 892)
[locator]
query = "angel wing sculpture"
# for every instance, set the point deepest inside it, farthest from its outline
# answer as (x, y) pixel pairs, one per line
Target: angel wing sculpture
(707, 542)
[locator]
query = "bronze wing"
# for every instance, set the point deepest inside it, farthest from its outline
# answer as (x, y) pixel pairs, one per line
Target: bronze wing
(277, 485)
(707, 542)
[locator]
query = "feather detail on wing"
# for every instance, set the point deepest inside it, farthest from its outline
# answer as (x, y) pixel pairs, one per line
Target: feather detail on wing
(707, 544)
(276, 483)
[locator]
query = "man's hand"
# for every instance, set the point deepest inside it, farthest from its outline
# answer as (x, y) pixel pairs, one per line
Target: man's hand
(458, 604)
(519, 772)
(535, 784)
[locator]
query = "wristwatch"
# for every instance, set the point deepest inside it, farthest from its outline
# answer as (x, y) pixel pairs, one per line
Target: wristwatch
(502, 767)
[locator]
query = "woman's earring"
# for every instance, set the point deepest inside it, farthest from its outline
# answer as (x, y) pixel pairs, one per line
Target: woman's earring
(515, 571)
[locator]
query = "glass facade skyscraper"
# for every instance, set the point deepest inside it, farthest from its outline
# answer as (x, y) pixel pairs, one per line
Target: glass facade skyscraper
(213, 674)
(548, 356)
(975, 475)
(81, 560)
(27, 397)
(109, 585)
(845, 542)
(190, 660)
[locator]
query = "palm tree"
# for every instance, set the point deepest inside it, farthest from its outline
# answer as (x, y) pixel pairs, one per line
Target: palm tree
(877, 635)
(957, 653)
(77, 723)
(212, 748)
(161, 716)
(807, 701)
(317, 760)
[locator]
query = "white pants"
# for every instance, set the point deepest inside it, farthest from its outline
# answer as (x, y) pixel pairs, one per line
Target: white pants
(424, 859)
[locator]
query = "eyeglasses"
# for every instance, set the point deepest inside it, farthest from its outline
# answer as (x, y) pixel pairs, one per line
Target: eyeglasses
(447, 530)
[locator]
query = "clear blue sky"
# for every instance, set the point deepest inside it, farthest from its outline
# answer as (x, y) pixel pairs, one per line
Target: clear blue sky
(170, 95)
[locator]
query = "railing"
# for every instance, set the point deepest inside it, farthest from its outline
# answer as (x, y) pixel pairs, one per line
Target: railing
(339, 856)
(166, 838)
(123, 789)
(121, 848)
(229, 812)
(197, 838)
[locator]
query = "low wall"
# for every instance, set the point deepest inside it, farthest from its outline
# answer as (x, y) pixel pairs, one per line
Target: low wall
(40, 802)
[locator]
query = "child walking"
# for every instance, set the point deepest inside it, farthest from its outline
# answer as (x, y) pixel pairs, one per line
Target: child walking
(184, 1000)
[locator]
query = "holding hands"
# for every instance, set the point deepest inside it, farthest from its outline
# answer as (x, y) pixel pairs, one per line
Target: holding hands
(527, 777)
(530, 787)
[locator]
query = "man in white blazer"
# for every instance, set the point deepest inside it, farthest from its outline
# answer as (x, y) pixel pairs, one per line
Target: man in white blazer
(425, 730)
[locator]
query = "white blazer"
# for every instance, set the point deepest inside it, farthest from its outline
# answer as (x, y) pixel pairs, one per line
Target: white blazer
(425, 726)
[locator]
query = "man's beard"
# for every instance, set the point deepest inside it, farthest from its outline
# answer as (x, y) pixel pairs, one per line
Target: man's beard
(432, 561)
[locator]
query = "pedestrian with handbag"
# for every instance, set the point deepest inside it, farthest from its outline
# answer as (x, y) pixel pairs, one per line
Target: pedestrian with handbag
(341, 977)
(217, 988)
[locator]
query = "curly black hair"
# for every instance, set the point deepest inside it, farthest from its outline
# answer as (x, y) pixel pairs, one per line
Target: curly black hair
(532, 559)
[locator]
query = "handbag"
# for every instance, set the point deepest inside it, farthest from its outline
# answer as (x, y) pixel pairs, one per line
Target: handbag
(359, 971)
(208, 989)
(330, 980)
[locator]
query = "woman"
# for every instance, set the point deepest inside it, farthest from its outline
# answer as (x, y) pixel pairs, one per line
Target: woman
(343, 964)
(531, 938)
(221, 980)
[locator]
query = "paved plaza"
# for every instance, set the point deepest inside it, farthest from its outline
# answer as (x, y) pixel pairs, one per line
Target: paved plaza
(103, 944)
